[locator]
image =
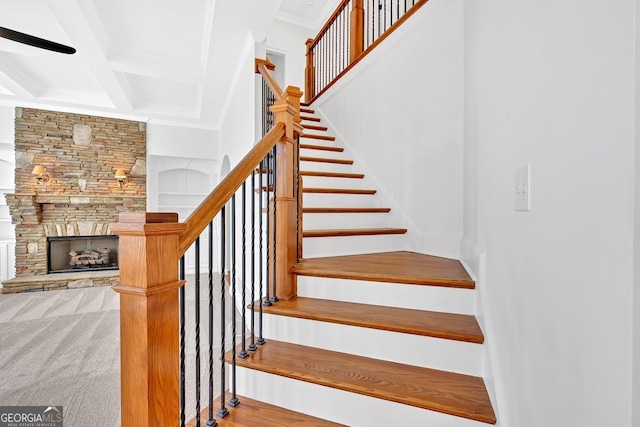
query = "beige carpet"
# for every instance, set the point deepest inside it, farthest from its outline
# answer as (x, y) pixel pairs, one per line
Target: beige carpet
(62, 348)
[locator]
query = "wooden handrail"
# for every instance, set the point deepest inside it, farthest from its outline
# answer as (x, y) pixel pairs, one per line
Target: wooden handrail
(263, 67)
(209, 208)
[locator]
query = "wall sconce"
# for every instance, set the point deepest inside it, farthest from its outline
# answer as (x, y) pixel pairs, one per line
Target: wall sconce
(121, 177)
(41, 174)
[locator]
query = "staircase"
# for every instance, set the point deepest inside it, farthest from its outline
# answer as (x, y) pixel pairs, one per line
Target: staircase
(377, 335)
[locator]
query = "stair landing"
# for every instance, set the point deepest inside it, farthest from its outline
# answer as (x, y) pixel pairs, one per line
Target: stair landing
(391, 267)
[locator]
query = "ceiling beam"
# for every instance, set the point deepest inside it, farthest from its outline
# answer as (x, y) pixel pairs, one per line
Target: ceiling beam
(83, 26)
(15, 81)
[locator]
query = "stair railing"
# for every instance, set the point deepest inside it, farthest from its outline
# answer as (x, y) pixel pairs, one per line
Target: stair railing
(156, 340)
(354, 29)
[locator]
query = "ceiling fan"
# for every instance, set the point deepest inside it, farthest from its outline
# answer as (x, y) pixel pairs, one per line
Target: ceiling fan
(35, 41)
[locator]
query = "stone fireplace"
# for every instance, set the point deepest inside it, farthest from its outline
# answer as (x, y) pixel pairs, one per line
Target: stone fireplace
(81, 199)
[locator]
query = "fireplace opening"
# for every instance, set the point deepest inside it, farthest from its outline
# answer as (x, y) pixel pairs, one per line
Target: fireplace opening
(81, 253)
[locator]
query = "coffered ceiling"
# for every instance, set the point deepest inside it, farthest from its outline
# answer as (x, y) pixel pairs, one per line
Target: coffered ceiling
(161, 60)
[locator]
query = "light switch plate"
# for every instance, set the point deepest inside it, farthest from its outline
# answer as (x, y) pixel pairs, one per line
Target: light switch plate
(523, 188)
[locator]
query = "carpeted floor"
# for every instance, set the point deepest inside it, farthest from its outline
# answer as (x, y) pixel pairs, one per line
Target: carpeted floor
(62, 348)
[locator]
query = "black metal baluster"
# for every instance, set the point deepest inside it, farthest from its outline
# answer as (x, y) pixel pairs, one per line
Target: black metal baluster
(373, 17)
(197, 321)
(322, 63)
(211, 422)
(243, 353)
(334, 47)
(181, 294)
(252, 346)
(264, 107)
(274, 298)
(297, 187)
(223, 411)
(267, 299)
(316, 59)
(366, 23)
(260, 339)
(233, 402)
(379, 16)
(344, 43)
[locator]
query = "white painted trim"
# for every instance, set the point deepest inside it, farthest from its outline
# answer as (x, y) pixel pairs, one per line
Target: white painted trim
(249, 46)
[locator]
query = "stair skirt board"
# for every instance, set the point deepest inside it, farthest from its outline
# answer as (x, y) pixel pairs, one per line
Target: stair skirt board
(428, 352)
(354, 410)
(418, 297)
(352, 245)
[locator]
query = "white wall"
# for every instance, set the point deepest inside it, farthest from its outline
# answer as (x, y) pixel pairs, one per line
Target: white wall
(399, 112)
(289, 39)
(7, 165)
(551, 84)
(179, 141)
(635, 403)
(237, 130)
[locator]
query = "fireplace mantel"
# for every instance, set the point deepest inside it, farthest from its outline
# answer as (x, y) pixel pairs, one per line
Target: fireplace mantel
(77, 199)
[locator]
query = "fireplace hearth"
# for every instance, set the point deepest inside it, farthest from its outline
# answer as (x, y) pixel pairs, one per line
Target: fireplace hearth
(81, 253)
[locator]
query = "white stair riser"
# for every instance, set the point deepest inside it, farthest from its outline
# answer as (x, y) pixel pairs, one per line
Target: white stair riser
(351, 245)
(324, 221)
(339, 406)
(332, 200)
(419, 297)
(428, 352)
(325, 167)
(324, 154)
(331, 182)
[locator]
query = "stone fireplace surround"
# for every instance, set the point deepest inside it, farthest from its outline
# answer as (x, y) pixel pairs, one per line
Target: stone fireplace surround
(81, 153)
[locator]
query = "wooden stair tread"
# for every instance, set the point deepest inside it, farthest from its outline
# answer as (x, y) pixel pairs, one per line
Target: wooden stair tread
(390, 267)
(316, 136)
(309, 118)
(459, 327)
(306, 110)
(322, 147)
(353, 232)
(314, 127)
(450, 393)
(332, 174)
(345, 210)
(325, 160)
(337, 191)
(252, 413)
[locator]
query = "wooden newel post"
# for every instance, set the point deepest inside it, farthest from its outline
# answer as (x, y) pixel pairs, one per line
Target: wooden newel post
(286, 200)
(148, 289)
(309, 73)
(357, 30)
